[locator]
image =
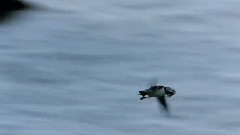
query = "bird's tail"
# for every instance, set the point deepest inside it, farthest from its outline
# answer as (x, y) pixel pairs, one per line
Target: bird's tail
(143, 93)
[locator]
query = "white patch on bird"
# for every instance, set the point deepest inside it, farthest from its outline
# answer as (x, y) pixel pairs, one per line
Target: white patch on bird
(160, 92)
(156, 93)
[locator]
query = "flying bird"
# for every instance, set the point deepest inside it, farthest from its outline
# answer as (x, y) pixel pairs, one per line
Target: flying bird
(160, 92)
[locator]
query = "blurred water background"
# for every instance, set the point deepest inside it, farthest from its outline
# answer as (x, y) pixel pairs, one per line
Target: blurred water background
(74, 67)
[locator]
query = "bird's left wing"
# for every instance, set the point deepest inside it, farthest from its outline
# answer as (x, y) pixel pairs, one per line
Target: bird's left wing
(163, 102)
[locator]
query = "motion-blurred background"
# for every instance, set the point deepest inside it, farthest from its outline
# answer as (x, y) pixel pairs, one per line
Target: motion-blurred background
(74, 67)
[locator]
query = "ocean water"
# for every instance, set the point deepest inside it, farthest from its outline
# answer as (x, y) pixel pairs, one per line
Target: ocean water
(74, 67)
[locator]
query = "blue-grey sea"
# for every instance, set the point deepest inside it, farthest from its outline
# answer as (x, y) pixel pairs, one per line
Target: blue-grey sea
(74, 67)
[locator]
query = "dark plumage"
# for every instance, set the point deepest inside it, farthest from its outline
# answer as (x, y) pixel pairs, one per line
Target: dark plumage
(8, 6)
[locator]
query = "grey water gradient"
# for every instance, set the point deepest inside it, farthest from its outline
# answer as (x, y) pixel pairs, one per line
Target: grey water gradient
(75, 67)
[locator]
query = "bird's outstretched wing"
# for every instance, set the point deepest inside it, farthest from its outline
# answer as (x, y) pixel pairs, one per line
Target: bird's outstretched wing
(163, 102)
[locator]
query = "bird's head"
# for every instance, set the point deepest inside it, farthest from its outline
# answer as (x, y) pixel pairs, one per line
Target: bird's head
(169, 91)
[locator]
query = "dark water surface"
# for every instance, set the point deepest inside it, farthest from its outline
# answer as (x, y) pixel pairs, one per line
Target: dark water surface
(74, 68)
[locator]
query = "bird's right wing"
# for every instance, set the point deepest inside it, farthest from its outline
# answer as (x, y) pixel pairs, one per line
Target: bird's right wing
(163, 102)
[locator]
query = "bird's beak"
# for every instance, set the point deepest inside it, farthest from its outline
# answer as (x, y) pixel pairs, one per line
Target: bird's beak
(171, 93)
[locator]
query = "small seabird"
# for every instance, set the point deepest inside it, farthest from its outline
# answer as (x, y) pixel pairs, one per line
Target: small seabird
(160, 92)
